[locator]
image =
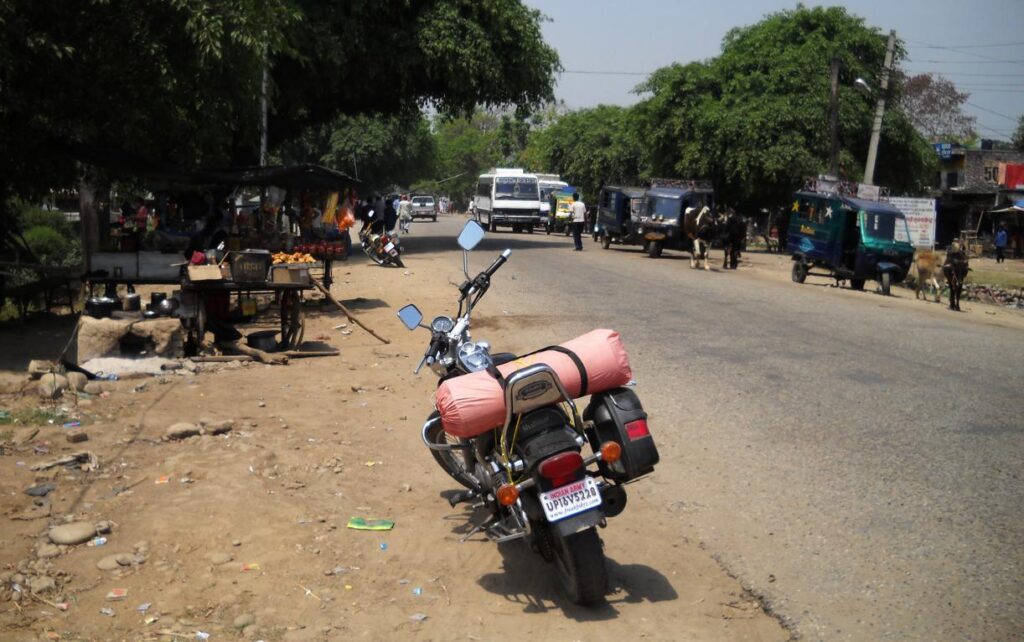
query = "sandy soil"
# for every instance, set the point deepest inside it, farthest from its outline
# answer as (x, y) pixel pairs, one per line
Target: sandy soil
(776, 267)
(250, 526)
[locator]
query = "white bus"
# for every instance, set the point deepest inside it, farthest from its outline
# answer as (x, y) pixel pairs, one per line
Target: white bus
(508, 197)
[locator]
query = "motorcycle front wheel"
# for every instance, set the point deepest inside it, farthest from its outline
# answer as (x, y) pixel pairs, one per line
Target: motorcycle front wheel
(582, 571)
(455, 463)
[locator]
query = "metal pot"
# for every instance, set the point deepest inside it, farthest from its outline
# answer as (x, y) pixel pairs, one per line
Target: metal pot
(132, 302)
(168, 306)
(100, 307)
(155, 298)
(265, 340)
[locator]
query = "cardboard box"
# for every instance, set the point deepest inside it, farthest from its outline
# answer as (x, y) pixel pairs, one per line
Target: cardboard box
(290, 274)
(204, 273)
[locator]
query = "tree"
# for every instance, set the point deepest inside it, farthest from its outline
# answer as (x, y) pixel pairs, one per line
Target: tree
(1018, 135)
(589, 148)
(123, 83)
(466, 147)
(754, 119)
(380, 151)
(936, 109)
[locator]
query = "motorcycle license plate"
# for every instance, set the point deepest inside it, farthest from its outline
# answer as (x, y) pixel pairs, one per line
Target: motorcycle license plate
(571, 499)
(389, 247)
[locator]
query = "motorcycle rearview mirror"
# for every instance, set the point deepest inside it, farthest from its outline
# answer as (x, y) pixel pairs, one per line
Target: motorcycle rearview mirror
(471, 235)
(410, 316)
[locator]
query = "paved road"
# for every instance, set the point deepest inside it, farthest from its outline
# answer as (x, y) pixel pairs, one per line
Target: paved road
(856, 463)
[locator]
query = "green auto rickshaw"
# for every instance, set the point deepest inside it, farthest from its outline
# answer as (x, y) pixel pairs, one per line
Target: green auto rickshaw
(848, 239)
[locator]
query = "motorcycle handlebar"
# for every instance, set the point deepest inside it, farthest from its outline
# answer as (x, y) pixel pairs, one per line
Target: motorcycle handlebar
(498, 262)
(435, 345)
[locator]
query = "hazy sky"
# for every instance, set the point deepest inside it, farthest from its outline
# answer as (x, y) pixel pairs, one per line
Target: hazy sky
(638, 36)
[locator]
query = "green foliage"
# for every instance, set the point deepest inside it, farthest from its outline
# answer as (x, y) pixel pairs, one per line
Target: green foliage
(1018, 135)
(47, 244)
(589, 148)
(755, 119)
(466, 148)
(381, 151)
(36, 217)
(180, 80)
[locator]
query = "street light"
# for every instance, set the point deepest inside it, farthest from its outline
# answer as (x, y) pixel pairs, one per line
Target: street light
(863, 86)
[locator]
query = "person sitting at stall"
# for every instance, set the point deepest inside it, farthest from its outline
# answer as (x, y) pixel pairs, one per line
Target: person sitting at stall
(210, 237)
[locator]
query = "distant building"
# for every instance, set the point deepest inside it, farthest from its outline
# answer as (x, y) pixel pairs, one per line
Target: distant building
(967, 185)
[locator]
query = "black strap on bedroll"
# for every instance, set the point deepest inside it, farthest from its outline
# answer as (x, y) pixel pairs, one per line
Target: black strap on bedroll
(575, 359)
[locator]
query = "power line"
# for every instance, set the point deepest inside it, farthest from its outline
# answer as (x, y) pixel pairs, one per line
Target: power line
(984, 46)
(962, 73)
(994, 113)
(970, 62)
(607, 73)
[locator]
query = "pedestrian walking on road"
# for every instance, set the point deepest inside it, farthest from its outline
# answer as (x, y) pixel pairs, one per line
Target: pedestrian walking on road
(404, 213)
(579, 219)
(1001, 243)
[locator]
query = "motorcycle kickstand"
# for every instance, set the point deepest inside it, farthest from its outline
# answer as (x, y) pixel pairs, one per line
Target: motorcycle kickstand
(479, 527)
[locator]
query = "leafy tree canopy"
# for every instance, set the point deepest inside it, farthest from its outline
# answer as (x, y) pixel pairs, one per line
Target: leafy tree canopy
(179, 80)
(755, 119)
(589, 148)
(937, 109)
(1018, 135)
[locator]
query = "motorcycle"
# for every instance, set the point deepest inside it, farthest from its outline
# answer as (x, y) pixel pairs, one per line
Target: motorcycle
(381, 247)
(531, 474)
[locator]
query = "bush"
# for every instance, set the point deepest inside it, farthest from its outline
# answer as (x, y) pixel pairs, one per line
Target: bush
(49, 245)
(36, 217)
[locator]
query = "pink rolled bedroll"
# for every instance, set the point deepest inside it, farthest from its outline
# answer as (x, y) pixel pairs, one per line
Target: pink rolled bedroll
(472, 404)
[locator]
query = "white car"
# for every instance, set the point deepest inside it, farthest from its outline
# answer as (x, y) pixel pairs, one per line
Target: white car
(424, 207)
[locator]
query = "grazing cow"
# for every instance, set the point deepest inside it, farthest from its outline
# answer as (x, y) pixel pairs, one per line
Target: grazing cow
(701, 228)
(928, 273)
(733, 229)
(955, 269)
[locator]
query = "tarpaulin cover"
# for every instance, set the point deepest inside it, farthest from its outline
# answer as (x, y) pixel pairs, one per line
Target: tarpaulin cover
(474, 403)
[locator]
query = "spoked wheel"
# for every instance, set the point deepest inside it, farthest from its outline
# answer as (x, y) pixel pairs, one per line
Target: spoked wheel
(455, 463)
(886, 282)
(582, 571)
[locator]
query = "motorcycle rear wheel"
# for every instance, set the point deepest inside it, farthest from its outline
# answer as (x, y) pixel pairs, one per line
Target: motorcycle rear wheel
(453, 463)
(397, 260)
(581, 566)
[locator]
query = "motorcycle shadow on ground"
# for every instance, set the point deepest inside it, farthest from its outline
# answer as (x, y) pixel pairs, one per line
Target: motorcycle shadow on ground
(527, 579)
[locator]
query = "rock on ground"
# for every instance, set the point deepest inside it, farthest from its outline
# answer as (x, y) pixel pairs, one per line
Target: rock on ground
(73, 533)
(52, 385)
(77, 380)
(181, 431)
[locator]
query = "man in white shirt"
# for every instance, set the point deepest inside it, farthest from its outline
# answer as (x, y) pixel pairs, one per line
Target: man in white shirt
(579, 217)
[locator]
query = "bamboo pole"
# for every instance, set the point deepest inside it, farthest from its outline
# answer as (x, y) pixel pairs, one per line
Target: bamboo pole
(347, 312)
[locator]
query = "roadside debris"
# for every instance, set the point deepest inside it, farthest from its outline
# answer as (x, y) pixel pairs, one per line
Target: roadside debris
(363, 524)
(87, 460)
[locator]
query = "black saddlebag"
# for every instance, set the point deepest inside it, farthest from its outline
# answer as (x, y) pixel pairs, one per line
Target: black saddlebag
(617, 415)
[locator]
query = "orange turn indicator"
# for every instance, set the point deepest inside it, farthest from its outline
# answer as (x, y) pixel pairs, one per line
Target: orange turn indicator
(507, 494)
(610, 452)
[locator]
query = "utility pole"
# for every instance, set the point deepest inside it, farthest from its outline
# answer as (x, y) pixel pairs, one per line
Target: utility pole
(264, 87)
(876, 128)
(833, 120)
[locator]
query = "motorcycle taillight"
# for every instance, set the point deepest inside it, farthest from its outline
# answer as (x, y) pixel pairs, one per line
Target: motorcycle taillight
(562, 468)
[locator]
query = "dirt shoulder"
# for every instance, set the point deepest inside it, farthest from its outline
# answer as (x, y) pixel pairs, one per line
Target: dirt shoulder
(243, 535)
(776, 267)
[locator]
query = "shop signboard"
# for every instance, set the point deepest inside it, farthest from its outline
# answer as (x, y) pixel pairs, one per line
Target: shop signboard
(920, 213)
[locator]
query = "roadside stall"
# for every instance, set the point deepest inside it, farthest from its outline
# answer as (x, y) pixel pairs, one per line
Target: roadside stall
(248, 265)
